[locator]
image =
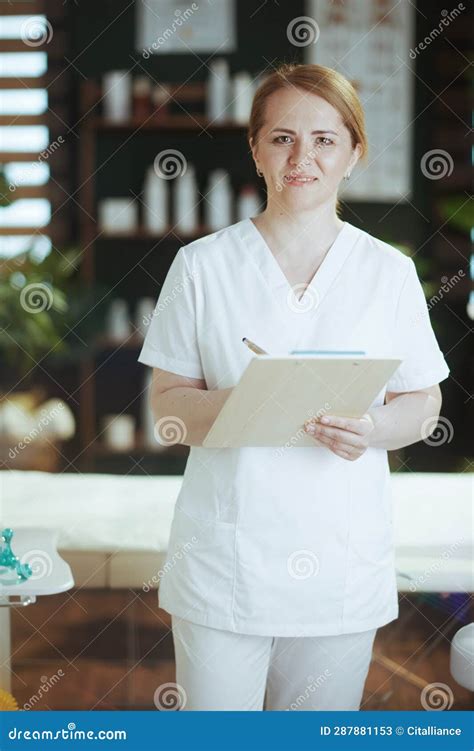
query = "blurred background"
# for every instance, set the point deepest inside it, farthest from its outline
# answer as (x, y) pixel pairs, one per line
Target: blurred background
(122, 138)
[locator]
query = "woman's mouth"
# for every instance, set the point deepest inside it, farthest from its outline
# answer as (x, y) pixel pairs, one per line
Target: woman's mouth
(299, 179)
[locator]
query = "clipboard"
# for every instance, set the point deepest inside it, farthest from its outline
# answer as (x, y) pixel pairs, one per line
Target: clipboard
(276, 394)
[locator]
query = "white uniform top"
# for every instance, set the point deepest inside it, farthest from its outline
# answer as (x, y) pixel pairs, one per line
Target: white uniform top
(296, 542)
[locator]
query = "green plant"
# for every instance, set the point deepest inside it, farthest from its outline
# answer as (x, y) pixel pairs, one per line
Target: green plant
(6, 197)
(44, 308)
(458, 212)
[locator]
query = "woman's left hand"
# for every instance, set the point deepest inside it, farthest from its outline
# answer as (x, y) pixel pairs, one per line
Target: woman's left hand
(348, 437)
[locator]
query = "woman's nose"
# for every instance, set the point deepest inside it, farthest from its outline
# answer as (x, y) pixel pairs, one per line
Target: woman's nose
(301, 154)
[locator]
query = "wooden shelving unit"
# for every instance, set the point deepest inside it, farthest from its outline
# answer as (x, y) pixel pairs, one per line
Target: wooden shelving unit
(169, 123)
(94, 455)
(142, 234)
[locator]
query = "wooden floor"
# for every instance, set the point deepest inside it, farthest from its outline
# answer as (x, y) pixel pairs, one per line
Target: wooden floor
(111, 649)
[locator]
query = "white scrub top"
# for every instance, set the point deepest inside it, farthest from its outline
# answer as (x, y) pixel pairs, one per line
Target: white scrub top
(286, 541)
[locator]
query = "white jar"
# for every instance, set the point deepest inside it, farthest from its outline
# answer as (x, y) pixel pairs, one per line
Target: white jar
(242, 94)
(117, 322)
(155, 203)
(185, 203)
(118, 215)
(117, 95)
(218, 91)
(144, 315)
(119, 432)
(248, 202)
(218, 204)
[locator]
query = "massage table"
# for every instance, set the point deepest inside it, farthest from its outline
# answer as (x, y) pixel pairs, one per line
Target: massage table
(113, 530)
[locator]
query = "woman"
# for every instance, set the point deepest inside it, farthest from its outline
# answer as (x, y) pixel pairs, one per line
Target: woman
(280, 565)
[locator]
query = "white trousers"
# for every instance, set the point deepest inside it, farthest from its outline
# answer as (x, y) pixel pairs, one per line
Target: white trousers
(222, 670)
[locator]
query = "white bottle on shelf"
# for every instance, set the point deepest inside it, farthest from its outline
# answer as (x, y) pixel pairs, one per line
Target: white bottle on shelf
(117, 215)
(186, 200)
(248, 202)
(144, 315)
(155, 202)
(119, 432)
(242, 94)
(117, 95)
(218, 90)
(218, 204)
(118, 325)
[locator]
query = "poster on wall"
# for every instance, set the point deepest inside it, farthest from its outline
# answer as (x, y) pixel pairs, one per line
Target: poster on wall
(369, 42)
(165, 27)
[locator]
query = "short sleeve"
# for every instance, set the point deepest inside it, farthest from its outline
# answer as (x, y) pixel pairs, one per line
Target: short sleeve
(423, 363)
(171, 340)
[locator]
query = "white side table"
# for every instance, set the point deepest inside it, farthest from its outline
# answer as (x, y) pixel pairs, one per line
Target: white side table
(51, 575)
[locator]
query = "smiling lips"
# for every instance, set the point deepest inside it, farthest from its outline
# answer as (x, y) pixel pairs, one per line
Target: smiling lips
(299, 179)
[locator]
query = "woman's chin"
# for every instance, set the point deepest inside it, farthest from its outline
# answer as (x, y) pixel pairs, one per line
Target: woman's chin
(301, 199)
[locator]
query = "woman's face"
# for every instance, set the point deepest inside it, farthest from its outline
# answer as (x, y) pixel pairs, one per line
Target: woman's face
(303, 136)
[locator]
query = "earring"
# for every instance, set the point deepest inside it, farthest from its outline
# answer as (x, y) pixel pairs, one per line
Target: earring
(347, 176)
(259, 172)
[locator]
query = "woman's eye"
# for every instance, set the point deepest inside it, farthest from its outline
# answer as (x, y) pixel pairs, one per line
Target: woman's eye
(323, 140)
(326, 141)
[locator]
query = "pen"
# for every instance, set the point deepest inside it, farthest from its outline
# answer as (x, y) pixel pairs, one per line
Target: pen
(254, 347)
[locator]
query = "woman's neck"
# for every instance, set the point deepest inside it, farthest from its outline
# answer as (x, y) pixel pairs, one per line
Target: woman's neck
(293, 231)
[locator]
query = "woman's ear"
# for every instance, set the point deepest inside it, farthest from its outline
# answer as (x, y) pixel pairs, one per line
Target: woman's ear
(253, 149)
(357, 151)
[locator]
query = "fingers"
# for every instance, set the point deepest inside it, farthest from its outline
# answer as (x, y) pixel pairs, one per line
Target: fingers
(317, 442)
(359, 426)
(343, 443)
(345, 450)
(326, 433)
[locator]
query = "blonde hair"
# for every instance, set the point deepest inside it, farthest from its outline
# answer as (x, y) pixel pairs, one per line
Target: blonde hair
(316, 79)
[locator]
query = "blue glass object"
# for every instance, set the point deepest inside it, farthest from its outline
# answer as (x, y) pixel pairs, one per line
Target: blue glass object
(326, 352)
(10, 564)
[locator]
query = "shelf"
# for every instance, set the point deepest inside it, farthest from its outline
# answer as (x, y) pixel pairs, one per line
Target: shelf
(194, 123)
(96, 130)
(106, 343)
(24, 230)
(143, 234)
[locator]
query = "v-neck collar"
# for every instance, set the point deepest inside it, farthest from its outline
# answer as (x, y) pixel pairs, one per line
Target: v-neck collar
(276, 279)
(296, 321)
